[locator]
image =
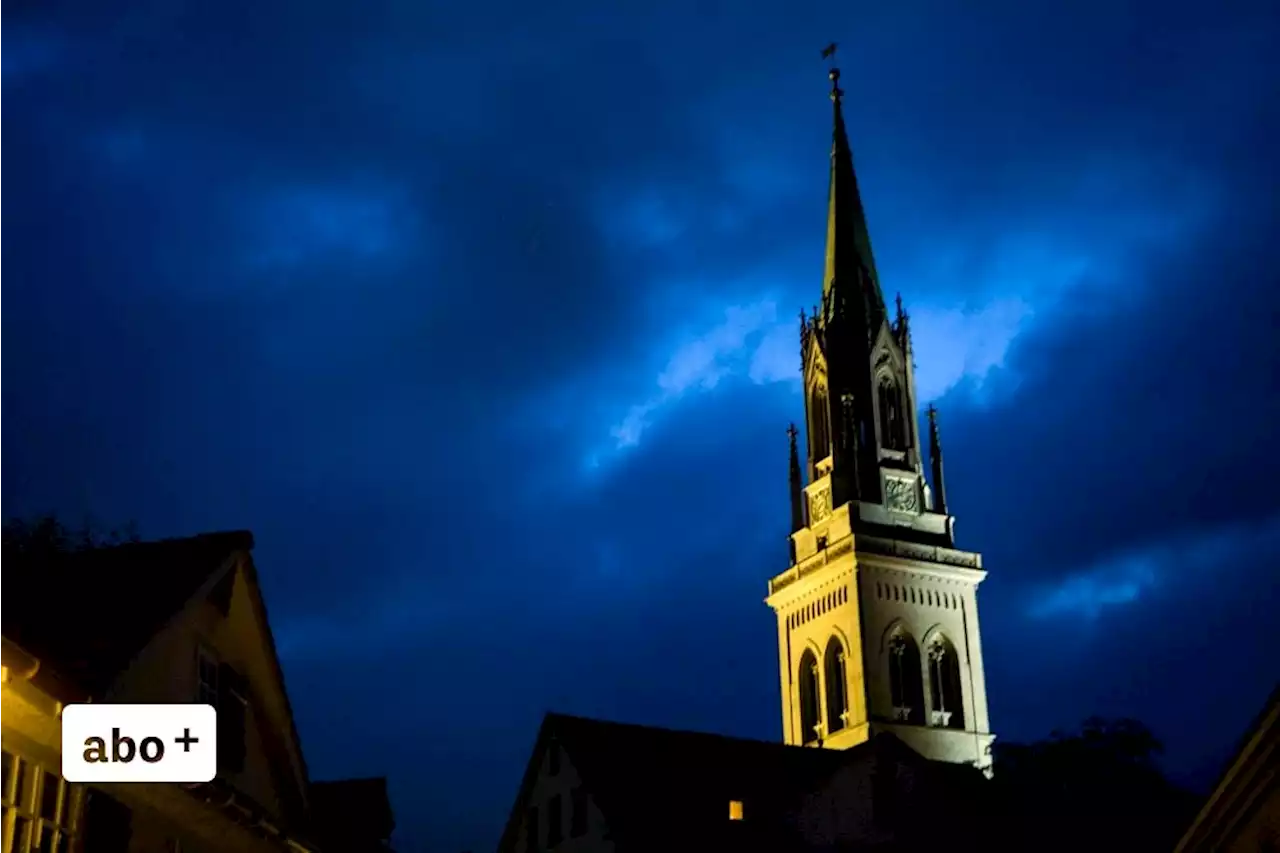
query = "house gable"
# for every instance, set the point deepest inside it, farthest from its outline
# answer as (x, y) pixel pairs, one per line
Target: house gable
(224, 621)
(555, 806)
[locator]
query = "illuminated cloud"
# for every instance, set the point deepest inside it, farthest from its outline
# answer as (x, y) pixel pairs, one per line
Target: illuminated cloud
(1118, 582)
(1125, 578)
(954, 345)
(699, 364)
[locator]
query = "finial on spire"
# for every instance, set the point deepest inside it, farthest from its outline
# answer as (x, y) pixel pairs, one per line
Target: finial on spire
(796, 483)
(829, 52)
(935, 457)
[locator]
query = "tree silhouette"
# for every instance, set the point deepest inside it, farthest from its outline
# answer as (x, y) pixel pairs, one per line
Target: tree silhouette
(1098, 789)
(45, 536)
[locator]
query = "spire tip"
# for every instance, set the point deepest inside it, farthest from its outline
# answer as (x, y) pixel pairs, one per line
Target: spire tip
(829, 52)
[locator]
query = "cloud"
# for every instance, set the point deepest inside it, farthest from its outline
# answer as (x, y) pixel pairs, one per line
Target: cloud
(1089, 593)
(956, 345)
(953, 346)
(319, 224)
(1183, 563)
(381, 287)
(121, 146)
(699, 364)
(28, 52)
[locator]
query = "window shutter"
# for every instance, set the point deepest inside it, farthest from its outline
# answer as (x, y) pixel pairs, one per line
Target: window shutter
(231, 720)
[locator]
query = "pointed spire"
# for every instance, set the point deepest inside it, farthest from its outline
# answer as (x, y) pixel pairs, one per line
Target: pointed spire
(797, 483)
(935, 457)
(849, 261)
(903, 327)
(804, 340)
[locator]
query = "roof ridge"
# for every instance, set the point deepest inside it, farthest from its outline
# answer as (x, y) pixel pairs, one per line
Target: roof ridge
(241, 538)
(552, 716)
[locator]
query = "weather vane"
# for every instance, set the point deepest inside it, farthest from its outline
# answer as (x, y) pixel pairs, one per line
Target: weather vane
(829, 53)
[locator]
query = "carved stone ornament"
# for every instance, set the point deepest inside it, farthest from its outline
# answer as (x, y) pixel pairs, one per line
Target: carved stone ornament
(819, 506)
(937, 652)
(902, 495)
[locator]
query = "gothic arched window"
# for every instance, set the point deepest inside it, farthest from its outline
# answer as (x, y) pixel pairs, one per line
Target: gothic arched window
(819, 424)
(906, 690)
(944, 685)
(892, 431)
(809, 698)
(837, 700)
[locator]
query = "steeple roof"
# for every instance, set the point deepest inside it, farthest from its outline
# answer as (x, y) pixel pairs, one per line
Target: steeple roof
(850, 268)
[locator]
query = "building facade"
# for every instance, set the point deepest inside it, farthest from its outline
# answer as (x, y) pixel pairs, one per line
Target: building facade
(41, 812)
(173, 621)
(877, 613)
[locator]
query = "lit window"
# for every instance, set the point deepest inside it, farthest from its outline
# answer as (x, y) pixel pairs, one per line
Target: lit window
(42, 809)
(735, 810)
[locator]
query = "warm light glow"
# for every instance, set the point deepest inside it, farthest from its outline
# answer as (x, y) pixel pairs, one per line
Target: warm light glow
(735, 810)
(4, 674)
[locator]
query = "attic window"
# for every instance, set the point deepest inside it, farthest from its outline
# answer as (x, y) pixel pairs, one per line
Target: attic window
(735, 810)
(553, 759)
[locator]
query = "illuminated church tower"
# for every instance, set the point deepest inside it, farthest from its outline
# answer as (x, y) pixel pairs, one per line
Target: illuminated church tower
(878, 612)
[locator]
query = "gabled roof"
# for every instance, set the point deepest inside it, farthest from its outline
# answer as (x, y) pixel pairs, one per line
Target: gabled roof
(89, 613)
(294, 742)
(669, 788)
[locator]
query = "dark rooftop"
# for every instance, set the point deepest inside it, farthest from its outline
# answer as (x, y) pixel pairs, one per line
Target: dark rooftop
(88, 613)
(649, 780)
(356, 813)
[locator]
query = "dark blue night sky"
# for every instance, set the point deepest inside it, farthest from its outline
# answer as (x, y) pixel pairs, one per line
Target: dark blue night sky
(483, 318)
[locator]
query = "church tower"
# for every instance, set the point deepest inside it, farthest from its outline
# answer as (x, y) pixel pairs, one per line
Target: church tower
(878, 611)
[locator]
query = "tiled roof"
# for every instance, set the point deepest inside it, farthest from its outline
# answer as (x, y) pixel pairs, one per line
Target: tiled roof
(89, 613)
